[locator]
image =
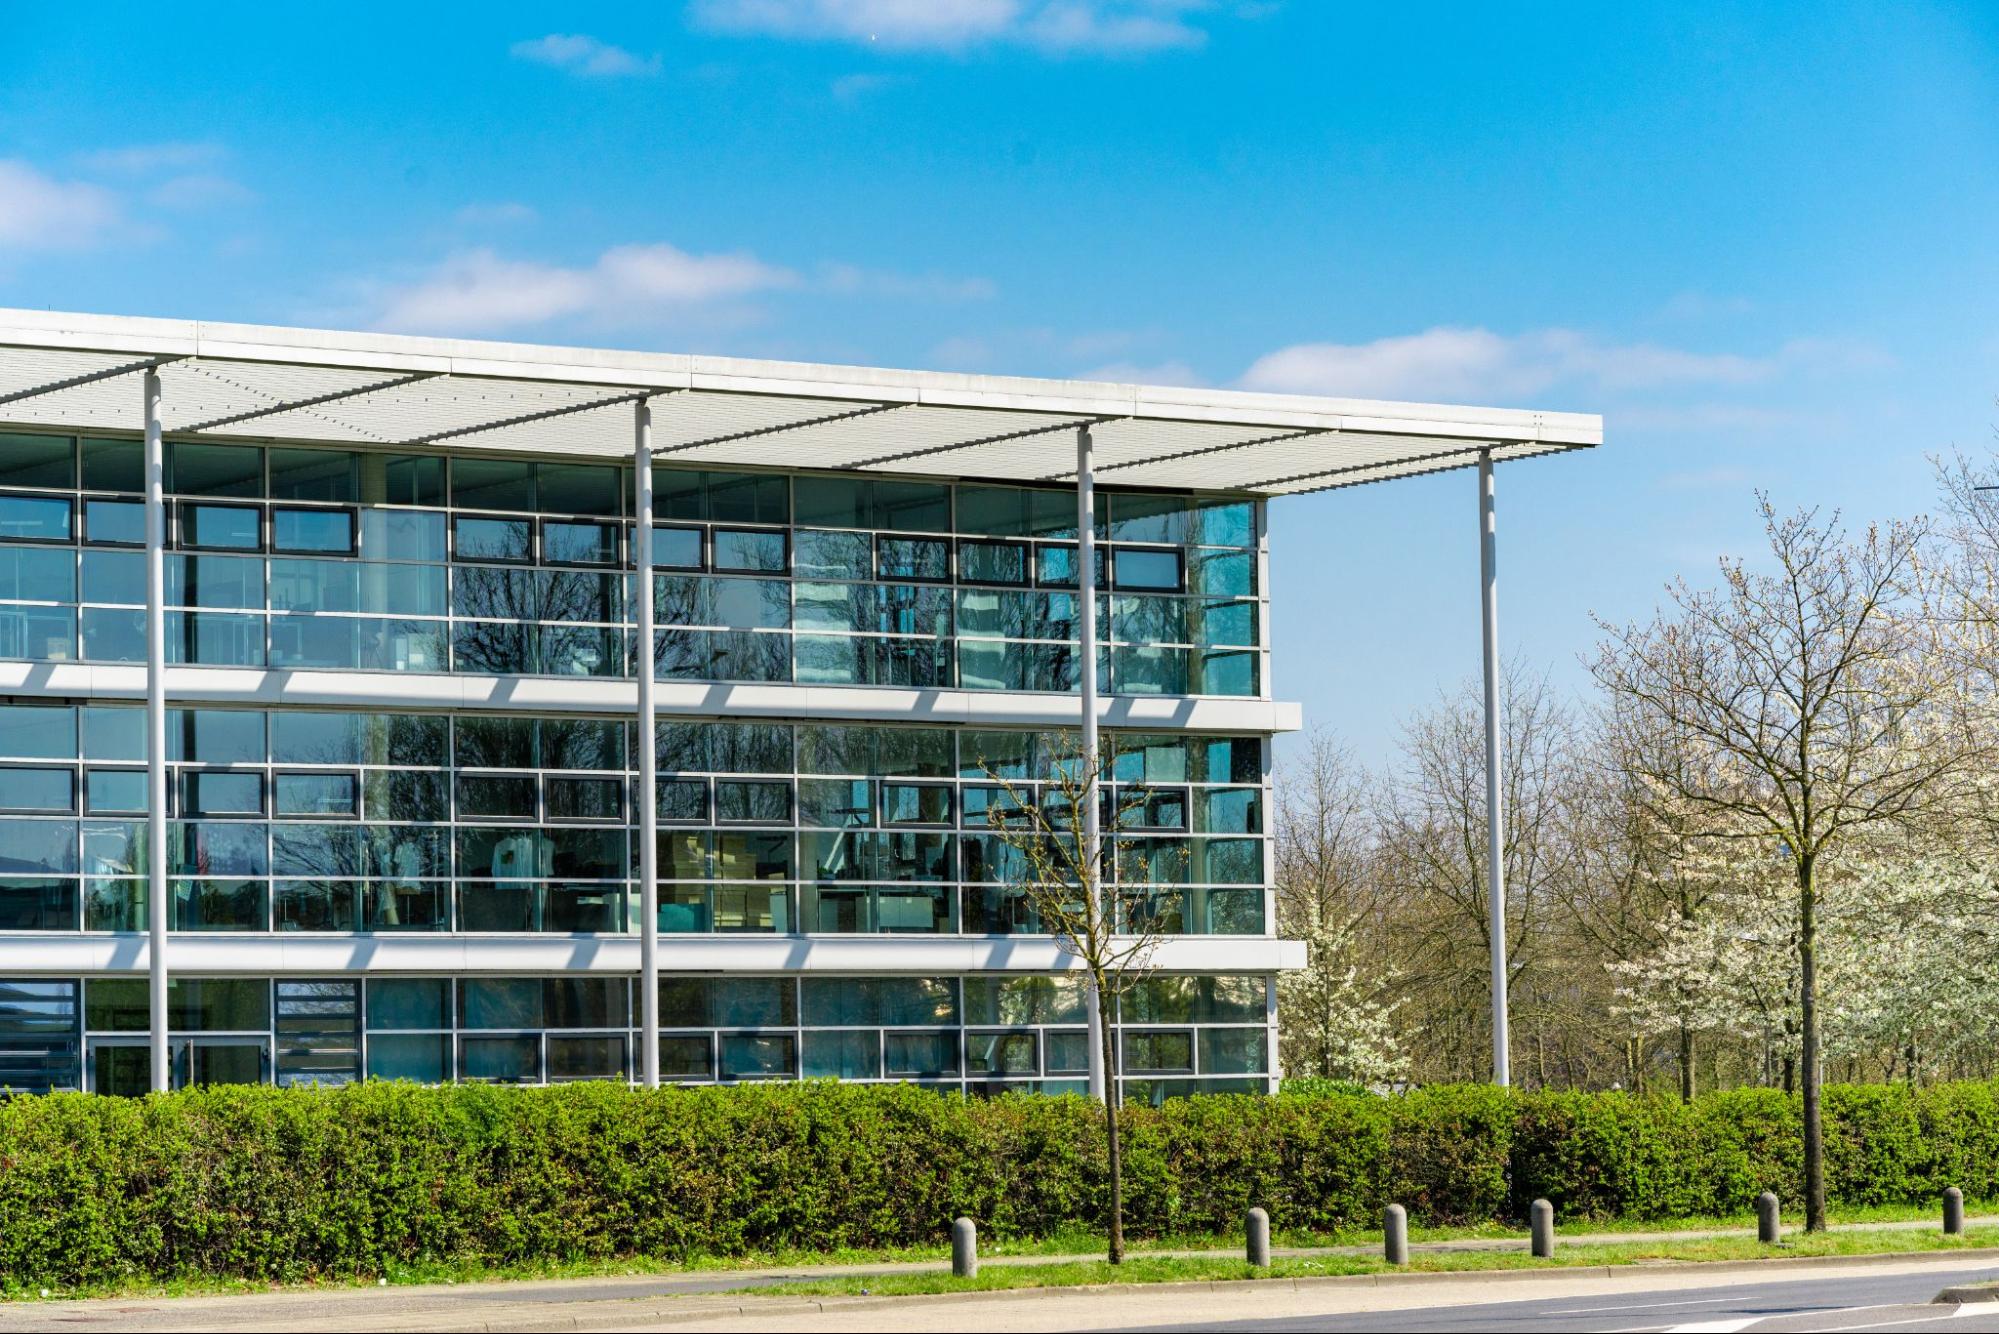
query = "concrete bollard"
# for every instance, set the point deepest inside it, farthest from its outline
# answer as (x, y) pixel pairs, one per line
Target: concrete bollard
(1769, 1223)
(964, 1248)
(1256, 1226)
(1395, 1235)
(1541, 1220)
(1953, 1212)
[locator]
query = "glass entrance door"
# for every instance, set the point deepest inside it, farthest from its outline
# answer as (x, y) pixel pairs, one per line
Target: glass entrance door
(124, 1069)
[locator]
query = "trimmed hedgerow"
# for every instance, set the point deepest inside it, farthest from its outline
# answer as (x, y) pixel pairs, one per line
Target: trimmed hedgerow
(290, 1184)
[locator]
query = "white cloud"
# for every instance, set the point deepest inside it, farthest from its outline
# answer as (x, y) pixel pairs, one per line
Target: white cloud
(1058, 27)
(846, 279)
(478, 291)
(1448, 363)
(39, 212)
(1177, 373)
(582, 54)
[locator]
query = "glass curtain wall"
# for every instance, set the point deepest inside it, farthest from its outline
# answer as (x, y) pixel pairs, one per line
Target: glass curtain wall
(325, 821)
(323, 558)
(983, 1035)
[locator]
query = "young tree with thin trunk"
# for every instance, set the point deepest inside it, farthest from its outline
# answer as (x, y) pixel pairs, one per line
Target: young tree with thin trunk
(1810, 705)
(1111, 924)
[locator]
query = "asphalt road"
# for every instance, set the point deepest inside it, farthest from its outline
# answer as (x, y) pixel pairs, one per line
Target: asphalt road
(1887, 1301)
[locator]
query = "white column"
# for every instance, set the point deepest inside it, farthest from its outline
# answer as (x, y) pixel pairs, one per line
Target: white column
(1086, 593)
(156, 731)
(1495, 805)
(647, 796)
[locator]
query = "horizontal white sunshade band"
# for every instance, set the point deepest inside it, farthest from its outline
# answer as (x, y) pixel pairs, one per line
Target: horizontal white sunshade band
(81, 373)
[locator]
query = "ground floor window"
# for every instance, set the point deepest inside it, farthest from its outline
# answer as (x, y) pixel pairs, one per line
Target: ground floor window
(1180, 1033)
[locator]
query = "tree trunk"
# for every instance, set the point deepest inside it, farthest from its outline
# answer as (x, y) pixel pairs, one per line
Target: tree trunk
(1112, 1142)
(1808, 1009)
(1686, 1064)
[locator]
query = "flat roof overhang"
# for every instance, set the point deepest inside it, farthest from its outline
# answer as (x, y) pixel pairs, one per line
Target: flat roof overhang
(246, 382)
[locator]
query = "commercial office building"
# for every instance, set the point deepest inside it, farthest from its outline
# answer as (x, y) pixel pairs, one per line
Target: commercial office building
(400, 754)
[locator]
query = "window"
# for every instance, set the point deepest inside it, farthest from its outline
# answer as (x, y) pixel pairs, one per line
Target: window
(114, 791)
(914, 558)
(41, 732)
(316, 794)
(221, 527)
(210, 793)
(37, 460)
(683, 799)
(916, 803)
(992, 562)
(35, 518)
(214, 470)
(490, 539)
(315, 474)
(832, 555)
(1148, 570)
(750, 551)
(492, 484)
(568, 543)
(585, 799)
(114, 522)
(752, 802)
(676, 549)
(329, 532)
(496, 796)
(50, 790)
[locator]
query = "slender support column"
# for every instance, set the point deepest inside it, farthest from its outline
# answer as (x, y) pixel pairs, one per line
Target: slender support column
(647, 796)
(156, 733)
(1495, 804)
(1086, 594)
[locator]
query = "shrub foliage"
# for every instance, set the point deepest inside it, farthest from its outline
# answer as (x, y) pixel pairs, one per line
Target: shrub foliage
(291, 1184)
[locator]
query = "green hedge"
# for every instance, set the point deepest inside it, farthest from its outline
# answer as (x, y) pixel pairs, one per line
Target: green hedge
(290, 1184)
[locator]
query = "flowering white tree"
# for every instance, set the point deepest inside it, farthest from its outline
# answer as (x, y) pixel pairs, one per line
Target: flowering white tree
(1811, 707)
(1337, 1024)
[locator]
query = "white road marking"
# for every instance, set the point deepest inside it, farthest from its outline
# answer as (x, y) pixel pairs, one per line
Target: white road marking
(1718, 1326)
(1639, 1306)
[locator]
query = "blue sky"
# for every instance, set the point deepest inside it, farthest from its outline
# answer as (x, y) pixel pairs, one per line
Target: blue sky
(1757, 239)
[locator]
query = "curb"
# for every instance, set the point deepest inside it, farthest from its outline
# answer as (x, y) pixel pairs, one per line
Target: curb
(654, 1314)
(1968, 1294)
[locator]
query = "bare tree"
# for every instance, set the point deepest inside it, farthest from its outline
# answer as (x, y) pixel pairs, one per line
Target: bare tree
(1111, 924)
(1808, 705)
(1432, 859)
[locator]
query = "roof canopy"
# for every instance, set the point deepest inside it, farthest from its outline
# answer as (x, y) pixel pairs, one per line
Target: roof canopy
(252, 382)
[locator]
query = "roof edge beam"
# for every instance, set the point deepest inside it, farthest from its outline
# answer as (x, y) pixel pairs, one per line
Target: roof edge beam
(300, 405)
(110, 373)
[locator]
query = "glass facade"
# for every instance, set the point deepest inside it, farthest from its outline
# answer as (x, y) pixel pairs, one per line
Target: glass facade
(506, 823)
(982, 1035)
(322, 558)
(341, 821)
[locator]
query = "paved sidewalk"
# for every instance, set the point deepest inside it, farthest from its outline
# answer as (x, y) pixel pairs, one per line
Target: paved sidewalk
(676, 1296)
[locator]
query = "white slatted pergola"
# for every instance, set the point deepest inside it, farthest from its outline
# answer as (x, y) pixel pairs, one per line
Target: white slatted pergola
(202, 380)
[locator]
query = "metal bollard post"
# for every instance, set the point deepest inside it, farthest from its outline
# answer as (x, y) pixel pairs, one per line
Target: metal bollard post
(964, 1248)
(1541, 1219)
(1395, 1235)
(1769, 1226)
(1257, 1227)
(1953, 1212)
